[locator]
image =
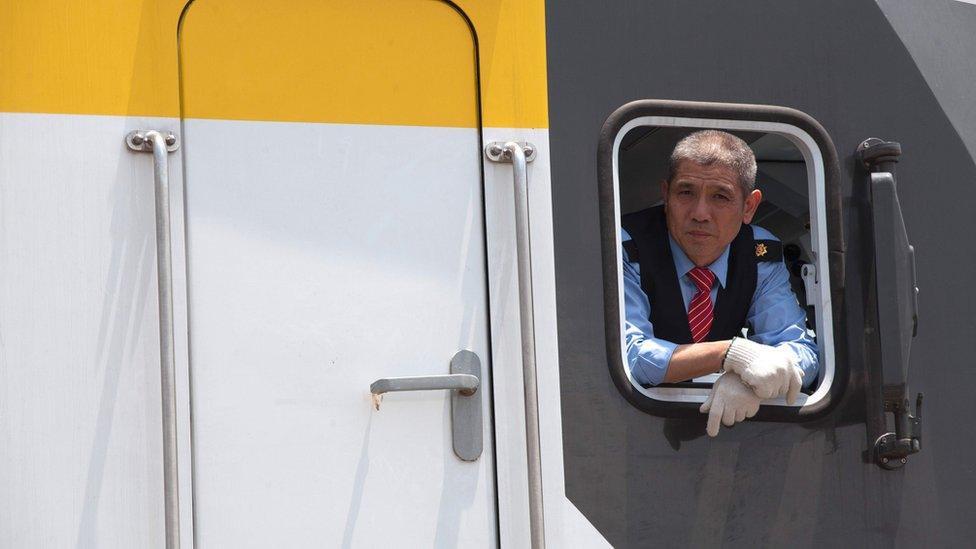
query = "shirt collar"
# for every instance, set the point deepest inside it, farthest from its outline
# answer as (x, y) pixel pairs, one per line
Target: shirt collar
(682, 264)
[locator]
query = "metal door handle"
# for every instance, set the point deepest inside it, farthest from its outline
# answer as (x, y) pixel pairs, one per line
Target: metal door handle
(160, 146)
(463, 382)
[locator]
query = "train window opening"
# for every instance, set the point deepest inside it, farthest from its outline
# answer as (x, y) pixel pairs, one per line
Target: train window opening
(790, 175)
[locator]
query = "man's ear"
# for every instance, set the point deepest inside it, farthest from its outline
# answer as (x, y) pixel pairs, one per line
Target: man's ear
(664, 190)
(752, 203)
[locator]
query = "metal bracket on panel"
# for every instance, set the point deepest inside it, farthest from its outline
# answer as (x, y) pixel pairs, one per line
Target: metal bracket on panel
(891, 450)
(466, 421)
(878, 155)
(808, 272)
(497, 152)
(139, 141)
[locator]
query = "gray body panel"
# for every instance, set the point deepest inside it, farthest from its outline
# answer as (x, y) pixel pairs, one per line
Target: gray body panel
(940, 35)
(644, 480)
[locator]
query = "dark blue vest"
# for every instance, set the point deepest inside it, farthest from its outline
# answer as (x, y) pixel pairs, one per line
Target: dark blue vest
(650, 247)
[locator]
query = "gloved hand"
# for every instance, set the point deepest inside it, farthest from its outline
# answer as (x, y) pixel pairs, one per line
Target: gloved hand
(770, 371)
(730, 401)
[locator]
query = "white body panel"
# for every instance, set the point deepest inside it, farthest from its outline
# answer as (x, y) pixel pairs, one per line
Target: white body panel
(80, 431)
(565, 525)
(80, 428)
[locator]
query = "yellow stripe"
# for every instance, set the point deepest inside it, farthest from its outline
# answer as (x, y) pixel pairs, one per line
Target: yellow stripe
(365, 62)
(512, 40)
(97, 57)
(119, 57)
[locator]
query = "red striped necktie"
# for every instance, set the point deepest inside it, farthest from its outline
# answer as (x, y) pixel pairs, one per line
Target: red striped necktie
(700, 312)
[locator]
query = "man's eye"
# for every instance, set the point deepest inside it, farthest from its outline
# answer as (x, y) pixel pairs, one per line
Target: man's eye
(685, 192)
(722, 197)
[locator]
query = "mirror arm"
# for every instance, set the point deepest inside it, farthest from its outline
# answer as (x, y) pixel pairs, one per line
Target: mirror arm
(891, 450)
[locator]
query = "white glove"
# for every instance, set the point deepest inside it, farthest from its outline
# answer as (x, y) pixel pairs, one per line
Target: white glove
(770, 371)
(730, 401)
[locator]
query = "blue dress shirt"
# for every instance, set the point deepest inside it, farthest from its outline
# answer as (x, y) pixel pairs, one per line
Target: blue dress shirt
(775, 318)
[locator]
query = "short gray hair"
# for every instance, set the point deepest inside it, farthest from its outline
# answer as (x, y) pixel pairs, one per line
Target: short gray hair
(707, 147)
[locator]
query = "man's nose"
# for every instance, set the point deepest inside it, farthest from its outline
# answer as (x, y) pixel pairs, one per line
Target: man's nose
(701, 212)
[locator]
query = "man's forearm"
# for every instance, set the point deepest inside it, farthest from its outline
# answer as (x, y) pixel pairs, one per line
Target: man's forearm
(695, 360)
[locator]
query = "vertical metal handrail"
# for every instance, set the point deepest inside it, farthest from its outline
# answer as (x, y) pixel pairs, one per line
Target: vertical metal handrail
(160, 145)
(513, 152)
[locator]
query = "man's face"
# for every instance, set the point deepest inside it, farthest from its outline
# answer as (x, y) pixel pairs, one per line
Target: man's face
(705, 207)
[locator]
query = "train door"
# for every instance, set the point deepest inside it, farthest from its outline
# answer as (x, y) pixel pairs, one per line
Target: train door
(335, 235)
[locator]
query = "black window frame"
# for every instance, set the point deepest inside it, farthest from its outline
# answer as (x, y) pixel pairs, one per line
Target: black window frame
(609, 235)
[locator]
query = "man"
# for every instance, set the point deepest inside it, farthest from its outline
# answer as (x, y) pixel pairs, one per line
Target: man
(696, 273)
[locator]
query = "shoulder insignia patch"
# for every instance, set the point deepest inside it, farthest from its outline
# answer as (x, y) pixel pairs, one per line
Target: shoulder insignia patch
(768, 250)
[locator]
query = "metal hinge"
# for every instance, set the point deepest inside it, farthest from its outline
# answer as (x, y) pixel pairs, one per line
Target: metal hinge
(891, 450)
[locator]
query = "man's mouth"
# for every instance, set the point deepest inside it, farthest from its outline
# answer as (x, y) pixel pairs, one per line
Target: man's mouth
(699, 234)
